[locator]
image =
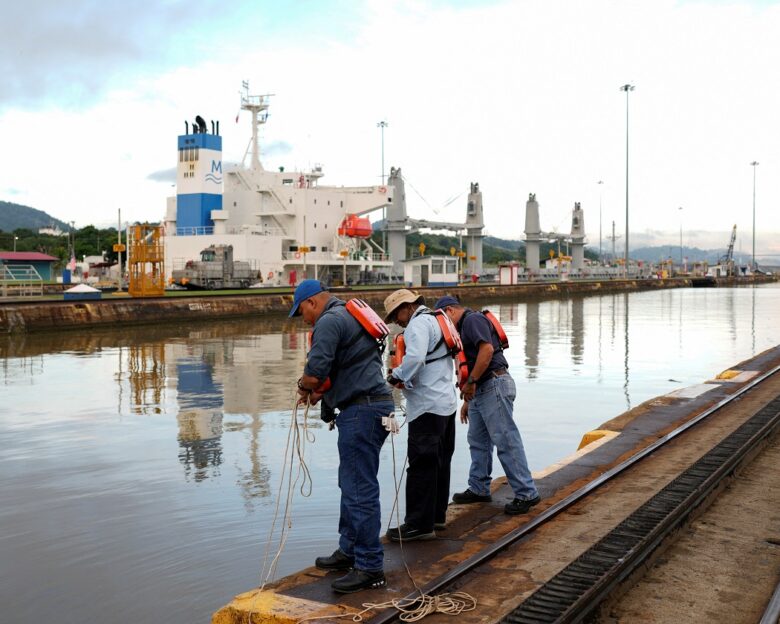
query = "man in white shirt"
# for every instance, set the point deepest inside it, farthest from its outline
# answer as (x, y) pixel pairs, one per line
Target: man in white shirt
(426, 376)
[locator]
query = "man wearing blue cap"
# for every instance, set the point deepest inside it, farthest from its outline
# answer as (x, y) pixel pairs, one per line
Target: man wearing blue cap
(342, 351)
(489, 396)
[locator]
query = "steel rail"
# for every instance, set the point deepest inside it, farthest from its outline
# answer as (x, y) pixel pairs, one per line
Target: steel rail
(445, 580)
(682, 500)
(772, 613)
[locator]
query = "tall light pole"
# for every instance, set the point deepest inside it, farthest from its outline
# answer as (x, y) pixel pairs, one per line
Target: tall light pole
(16, 238)
(627, 88)
(601, 185)
(382, 125)
(754, 164)
(679, 211)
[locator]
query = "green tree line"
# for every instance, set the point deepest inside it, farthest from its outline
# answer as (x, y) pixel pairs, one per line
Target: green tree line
(87, 241)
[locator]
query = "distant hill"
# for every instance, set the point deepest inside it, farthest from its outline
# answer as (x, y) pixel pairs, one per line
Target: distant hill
(16, 217)
(662, 252)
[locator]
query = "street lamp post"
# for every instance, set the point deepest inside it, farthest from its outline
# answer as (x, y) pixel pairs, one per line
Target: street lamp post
(679, 210)
(754, 164)
(627, 88)
(601, 185)
(16, 238)
(382, 125)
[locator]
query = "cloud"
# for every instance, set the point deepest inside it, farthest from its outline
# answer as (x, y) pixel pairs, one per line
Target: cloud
(72, 51)
(277, 148)
(164, 175)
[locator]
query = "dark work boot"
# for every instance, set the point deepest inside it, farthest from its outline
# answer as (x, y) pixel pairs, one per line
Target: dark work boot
(358, 580)
(518, 506)
(337, 561)
(408, 534)
(467, 497)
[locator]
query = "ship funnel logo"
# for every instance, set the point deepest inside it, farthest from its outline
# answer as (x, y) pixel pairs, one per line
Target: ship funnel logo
(216, 167)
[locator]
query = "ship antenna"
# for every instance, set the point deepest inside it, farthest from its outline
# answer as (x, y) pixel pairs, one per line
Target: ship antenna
(257, 105)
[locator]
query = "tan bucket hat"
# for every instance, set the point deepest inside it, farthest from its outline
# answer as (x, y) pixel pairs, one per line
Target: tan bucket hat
(398, 298)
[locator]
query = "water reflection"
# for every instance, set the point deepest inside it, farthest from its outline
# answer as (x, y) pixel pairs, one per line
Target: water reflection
(532, 333)
(202, 411)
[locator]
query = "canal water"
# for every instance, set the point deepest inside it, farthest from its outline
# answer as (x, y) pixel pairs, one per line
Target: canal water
(140, 467)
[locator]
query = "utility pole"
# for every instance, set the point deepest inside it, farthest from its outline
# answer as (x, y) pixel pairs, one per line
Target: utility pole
(754, 164)
(601, 185)
(613, 238)
(119, 243)
(382, 125)
(681, 256)
(627, 88)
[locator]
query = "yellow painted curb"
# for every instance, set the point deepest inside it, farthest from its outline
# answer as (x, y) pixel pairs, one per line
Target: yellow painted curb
(728, 374)
(592, 436)
(268, 607)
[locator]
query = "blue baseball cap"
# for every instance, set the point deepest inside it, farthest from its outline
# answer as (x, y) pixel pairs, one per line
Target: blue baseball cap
(307, 288)
(446, 300)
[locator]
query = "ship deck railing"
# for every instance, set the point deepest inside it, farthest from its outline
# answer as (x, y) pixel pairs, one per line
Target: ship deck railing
(332, 257)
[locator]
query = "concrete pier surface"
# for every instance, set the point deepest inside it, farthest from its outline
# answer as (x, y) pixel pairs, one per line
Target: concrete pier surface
(514, 574)
(51, 315)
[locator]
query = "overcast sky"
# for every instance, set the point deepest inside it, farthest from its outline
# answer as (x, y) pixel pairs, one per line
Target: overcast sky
(519, 96)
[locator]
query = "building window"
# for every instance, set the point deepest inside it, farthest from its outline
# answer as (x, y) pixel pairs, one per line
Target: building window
(315, 226)
(291, 200)
(452, 266)
(293, 247)
(342, 203)
(326, 226)
(437, 266)
(324, 249)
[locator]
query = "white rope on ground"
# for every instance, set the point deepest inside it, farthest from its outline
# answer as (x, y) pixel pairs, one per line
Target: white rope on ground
(411, 609)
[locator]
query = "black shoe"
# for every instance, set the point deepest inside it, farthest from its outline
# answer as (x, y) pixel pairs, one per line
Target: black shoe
(467, 497)
(439, 526)
(358, 580)
(337, 561)
(408, 534)
(517, 506)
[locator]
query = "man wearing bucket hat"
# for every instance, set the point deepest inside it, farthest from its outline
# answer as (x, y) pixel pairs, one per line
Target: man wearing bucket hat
(426, 375)
(342, 351)
(489, 411)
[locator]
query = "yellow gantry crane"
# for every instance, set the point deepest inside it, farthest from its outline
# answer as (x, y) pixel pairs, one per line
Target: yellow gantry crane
(146, 261)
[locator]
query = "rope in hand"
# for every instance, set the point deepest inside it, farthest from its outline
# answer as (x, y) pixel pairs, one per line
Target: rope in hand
(410, 609)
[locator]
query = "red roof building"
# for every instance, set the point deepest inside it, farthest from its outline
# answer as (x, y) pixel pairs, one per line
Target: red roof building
(26, 256)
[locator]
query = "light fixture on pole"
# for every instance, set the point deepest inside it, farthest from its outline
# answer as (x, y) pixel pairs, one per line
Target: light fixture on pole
(16, 238)
(601, 185)
(627, 88)
(754, 164)
(382, 125)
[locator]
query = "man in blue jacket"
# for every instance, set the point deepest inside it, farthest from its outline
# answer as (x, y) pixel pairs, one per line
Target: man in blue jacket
(489, 396)
(426, 375)
(345, 353)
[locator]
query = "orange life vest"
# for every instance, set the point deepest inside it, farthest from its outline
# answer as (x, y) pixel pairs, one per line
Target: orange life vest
(450, 337)
(502, 338)
(463, 366)
(369, 321)
(399, 350)
(463, 369)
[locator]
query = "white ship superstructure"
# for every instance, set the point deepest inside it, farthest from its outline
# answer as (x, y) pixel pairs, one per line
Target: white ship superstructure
(284, 223)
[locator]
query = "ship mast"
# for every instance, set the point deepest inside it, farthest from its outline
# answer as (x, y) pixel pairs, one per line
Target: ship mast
(258, 106)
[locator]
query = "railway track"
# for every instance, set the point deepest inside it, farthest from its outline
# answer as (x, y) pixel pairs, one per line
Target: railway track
(577, 590)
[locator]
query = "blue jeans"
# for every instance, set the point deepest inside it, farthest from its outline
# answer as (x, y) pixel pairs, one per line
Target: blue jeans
(361, 436)
(491, 424)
